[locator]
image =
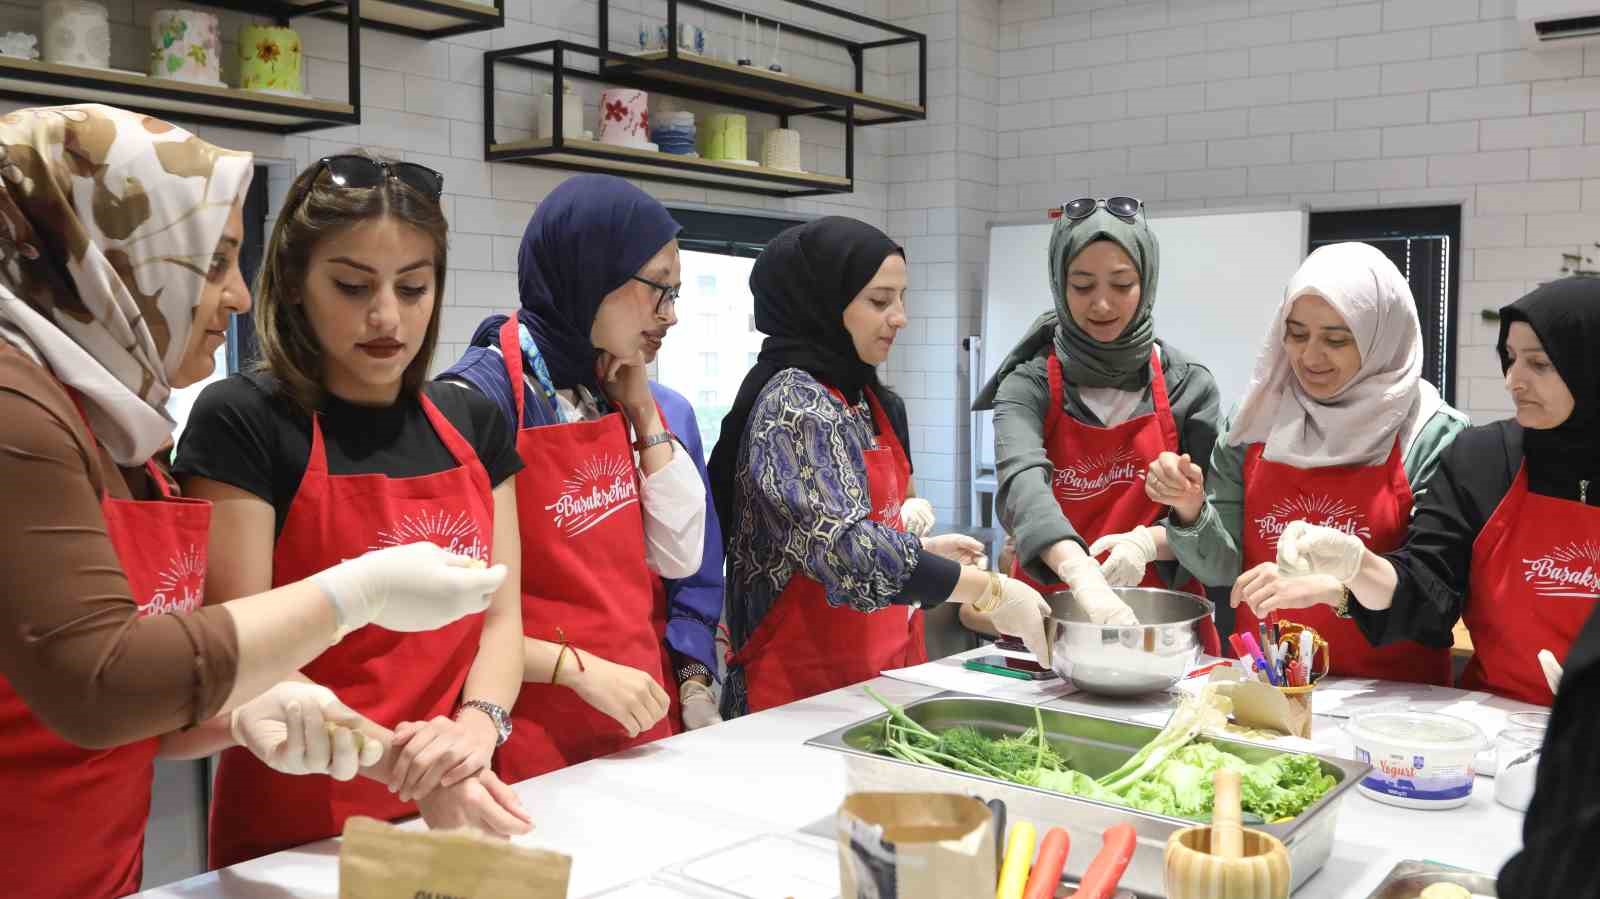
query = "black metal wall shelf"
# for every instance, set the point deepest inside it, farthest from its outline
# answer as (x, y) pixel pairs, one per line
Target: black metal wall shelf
(753, 87)
(31, 80)
(560, 151)
(426, 19)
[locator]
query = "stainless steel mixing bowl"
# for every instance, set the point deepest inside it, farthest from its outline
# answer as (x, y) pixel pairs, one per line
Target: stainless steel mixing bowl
(1127, 661)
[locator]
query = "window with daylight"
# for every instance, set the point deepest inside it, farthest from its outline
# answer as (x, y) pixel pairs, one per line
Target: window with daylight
(706, 357)
(1424, 242)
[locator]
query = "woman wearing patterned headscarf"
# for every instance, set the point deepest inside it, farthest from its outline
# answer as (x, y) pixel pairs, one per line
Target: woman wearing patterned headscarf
(825, 586)
(119, 241)
(1507, 535)
(609, 500)
(1084, 404)
(1338, 428)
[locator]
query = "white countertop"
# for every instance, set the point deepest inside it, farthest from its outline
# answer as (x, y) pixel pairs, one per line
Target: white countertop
(629, 815)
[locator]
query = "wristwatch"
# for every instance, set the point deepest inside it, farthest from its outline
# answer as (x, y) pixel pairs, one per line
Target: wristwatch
(990, 597)
(502, 721)
(1342, 609)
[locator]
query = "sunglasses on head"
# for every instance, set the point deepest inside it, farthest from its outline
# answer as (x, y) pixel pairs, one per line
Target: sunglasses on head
(1083, 207)
(349, 170)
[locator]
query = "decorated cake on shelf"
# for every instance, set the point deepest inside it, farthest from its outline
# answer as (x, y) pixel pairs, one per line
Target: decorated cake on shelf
(781, 150)
(625, 118)
(726, 138)
(185, 45)
(75, 33)
(270, 59)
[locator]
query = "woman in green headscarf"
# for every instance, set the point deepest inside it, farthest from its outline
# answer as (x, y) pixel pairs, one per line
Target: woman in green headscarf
(1084, 404)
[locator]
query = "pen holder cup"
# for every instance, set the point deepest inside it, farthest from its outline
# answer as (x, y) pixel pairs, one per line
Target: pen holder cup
(1321, 653)
(1192, 872)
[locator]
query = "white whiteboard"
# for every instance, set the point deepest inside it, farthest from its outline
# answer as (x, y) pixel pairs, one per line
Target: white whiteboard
(1222, 276)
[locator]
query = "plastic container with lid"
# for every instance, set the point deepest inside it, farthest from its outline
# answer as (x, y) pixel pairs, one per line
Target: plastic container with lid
(1421, 760)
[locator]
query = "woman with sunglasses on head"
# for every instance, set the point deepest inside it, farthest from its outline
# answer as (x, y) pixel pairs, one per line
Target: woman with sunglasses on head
(1504, 537)
(1083, 404)
(825, 587)
(1338, 427)
(119, 242)
(336, 443)
(610, 501)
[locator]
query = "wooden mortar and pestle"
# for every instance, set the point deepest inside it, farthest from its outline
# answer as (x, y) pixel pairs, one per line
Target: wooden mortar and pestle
(1223, 860)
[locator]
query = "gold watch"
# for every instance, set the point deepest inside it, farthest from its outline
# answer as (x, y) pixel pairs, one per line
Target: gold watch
(990, 597)
(1342, 609)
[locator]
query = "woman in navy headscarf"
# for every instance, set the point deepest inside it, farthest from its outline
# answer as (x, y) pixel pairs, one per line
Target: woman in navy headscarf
(609, 499)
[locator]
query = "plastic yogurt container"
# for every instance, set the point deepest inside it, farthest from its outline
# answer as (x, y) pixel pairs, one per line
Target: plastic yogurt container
(1420, 760)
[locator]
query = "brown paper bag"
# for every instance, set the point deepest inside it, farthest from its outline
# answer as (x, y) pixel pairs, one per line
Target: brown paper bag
(381, 861)
(1263, 706)
(915, 846)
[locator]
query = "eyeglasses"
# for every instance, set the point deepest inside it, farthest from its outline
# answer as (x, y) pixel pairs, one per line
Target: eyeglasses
(349, 170)
(1083, 207)
(669, 295)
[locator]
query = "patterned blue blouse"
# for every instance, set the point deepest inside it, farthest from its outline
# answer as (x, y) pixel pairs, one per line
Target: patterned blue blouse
(802, 507)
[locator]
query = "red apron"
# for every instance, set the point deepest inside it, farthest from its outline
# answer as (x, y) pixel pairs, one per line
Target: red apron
(1098, 475)
(1372, 502)
(804, 646)
(387, 676)
(584, 577)
(75, 818)
(1534, 580)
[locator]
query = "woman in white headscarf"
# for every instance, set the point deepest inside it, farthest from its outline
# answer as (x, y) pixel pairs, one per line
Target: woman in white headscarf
(1338, 428)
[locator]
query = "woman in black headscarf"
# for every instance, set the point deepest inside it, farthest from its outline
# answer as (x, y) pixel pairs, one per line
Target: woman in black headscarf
(810, 473)
(1507, 535)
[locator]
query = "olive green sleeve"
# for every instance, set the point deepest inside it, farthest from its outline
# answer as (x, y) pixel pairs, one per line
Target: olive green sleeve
(1209, 548)
(1027, 506)
(1422, 457)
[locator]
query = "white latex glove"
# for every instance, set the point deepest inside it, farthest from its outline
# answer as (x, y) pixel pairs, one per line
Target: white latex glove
(1093, 594)
(1022, 612)
(416, 587)
(917, 515)
(1552, 669)
(1307, 548)
(699, 707)
(301, 728)
(958, 548)
(1131, 553)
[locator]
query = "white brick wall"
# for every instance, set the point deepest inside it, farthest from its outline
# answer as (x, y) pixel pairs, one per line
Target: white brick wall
(1339, 104)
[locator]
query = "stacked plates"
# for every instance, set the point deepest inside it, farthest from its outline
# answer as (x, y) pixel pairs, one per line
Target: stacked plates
(677, 135)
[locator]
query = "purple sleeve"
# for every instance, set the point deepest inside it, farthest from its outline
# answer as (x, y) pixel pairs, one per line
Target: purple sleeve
(694, 603)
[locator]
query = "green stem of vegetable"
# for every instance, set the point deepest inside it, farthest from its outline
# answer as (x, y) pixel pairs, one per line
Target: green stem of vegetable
(899, 715)
(1038, 723)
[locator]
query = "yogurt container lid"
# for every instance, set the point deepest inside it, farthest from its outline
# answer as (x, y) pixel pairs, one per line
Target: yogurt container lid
(1422, 730)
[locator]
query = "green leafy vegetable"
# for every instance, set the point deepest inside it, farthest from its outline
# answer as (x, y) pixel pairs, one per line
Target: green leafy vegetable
(1172, 775)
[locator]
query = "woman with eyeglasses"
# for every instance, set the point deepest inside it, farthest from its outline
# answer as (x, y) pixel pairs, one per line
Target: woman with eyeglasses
(1082, 406)
(610, 500)
(825, 586)
(119, 243)
(336, 443)
(1338, 428)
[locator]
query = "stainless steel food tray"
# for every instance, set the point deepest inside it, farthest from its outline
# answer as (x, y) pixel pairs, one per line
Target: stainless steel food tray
(1411, 877)
(1097, 746)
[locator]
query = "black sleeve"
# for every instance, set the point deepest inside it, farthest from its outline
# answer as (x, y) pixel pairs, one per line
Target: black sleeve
(1432, 567)
(1563, 822)
(482, 423)
(232, 438)
(931, 582)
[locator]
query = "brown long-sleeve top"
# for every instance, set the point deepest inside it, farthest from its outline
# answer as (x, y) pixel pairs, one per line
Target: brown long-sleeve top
(72, 643)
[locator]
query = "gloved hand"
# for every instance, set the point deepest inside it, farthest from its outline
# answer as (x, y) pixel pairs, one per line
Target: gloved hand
(416, 587)
(1093, 594)
(301, 728)
(1307, 548)
(917, 515)
(1131, 553)
(958, 548)
(1552, 669)
(699, 706)
(1022, 612)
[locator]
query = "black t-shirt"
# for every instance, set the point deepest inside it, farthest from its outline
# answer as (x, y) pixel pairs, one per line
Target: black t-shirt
(243, 431)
